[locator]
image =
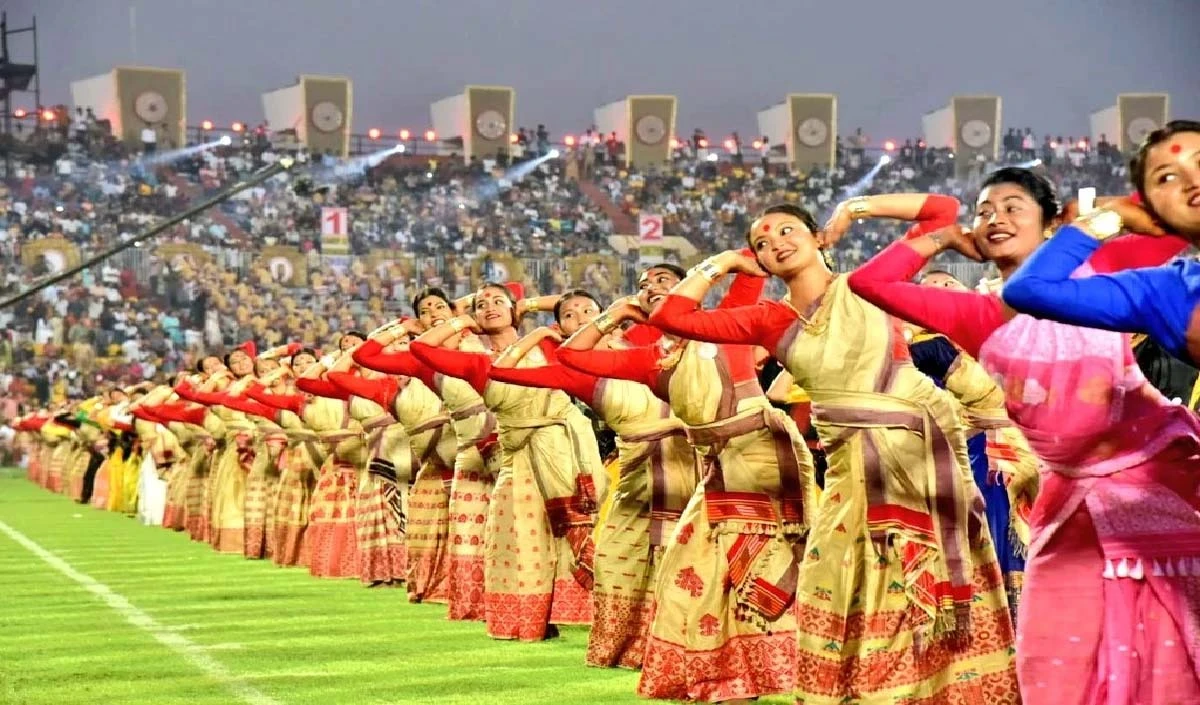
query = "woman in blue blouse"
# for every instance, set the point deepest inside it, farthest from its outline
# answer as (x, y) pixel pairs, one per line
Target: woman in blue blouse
(1162, 302)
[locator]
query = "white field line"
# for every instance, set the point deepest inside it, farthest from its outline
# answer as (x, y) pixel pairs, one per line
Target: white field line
(191, 652)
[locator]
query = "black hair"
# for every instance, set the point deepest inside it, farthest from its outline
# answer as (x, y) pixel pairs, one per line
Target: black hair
(672, 268)
(932, 271)
(426, 293)
(797, 212)
(497, 285)
(572, 294)
(1037, 186)
(1137, 164)
(307, 351)
(355, 333)
(200, 364)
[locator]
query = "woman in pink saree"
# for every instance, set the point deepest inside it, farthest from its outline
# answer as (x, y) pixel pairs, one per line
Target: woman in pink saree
(1111, 609)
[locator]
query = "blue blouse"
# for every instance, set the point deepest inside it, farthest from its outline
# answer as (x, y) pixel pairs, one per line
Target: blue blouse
(1157, 301)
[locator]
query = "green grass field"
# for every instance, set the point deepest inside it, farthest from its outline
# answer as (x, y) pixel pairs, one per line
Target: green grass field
(198, 628)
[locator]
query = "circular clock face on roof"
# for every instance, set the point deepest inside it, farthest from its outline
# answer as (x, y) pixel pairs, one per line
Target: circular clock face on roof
(976, 133)
(650, 129)
(1139, 128)
(327, 116)
(812, 132)
(491, 125)
(150, 106)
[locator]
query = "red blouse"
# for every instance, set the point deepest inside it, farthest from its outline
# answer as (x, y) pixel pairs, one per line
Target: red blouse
(555, 375)
(381, 390)
(766, 323)
(472, 367)
(321, 388)
(372, 356)
(967, 317)
(640, 364)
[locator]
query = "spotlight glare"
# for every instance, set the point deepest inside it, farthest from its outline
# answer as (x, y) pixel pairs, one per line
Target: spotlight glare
(758, 144)
(702, 144)
(226, 140)
(430, 136)
(729, 145)
(712, 157)
(400, 148)
(20, 113)
(512, 138)
(48, 115)
(553, 154)
(374, 133)
(237, 127)
(569, 140)
(1082, 144)
(404, 134)
(206, 125)
(674, 143)
(890, 146)
(885, 159)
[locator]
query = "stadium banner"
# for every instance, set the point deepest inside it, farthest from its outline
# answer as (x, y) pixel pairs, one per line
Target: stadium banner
(650, 128)
(154, 98)
(49, 255)
(491, 113)
(976, 129)
(496, 268)
(328, 112)
(812, 140)
(335, 231)
(1139, 114)
(285, 265)
(594, 272)
(389, 264)
(650, 230)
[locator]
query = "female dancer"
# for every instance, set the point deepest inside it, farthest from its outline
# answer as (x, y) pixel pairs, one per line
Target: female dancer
(227, 485)
(1111, 448)
(656, 476)
(415, 446)
(1002, 464)
(899, 596)
(476, 463)
(724, 628)
(534, 578)
(299, 461)
(1161, 302)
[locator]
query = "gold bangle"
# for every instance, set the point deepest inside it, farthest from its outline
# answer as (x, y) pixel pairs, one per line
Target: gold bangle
(457, 325)
(708, 270)
(604, 323)
(1100, 224)
(859, 207)
(530, 305)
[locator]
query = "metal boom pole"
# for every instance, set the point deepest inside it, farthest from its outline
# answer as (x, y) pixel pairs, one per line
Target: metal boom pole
(254, 179)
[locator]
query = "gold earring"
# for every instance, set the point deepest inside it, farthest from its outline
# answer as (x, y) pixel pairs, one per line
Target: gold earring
(1047, 233)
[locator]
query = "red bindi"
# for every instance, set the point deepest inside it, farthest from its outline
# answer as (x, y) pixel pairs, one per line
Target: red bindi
(766, 227)
(1176, 148)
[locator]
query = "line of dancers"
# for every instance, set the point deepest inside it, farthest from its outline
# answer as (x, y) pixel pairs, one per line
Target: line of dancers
(1007, 512)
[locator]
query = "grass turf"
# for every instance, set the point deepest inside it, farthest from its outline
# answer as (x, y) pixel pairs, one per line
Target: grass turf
(292, 637)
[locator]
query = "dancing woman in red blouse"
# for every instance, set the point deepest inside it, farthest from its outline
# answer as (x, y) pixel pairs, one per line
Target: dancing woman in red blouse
(455, 507)
(724, 626)
(538, 571)
(899, 595)
(1106, 615)
(656, 476)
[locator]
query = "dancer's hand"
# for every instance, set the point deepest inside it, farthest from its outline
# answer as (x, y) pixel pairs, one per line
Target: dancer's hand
(739, 262)
(958, 238)
(838, 225)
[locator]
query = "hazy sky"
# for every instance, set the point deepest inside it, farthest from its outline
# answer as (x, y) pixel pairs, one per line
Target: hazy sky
(1052, 61)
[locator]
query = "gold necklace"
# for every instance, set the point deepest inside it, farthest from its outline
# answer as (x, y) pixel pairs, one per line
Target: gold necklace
(819, 323)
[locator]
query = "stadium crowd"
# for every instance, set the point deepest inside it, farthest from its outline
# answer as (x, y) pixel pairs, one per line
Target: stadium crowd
(138, 317)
